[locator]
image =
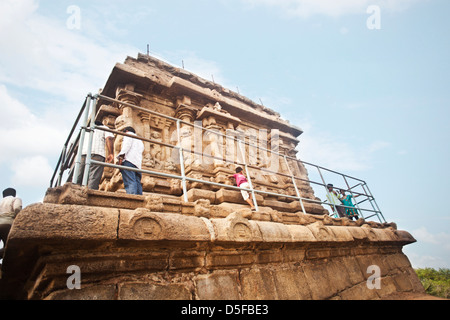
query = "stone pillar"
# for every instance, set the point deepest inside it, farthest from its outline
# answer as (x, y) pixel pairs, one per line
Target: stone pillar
(186, 113)
(145, 119)
(127, 95)
(169, 163)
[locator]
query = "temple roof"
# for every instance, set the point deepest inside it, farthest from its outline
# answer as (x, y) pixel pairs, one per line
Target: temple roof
(149, 72)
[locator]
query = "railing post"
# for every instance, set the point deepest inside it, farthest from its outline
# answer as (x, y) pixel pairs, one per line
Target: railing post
(378, 208)
(183, 173)
(89, 149)
(80, 146)
(356, 202)
(328, 192)
(61, 169)
(295, 184)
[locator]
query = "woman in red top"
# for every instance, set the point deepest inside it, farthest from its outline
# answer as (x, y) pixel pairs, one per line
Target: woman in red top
(241, 181)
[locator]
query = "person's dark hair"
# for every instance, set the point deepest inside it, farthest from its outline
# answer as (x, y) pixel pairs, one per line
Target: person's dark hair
(239, 169)
(9, 192)
(130, 129)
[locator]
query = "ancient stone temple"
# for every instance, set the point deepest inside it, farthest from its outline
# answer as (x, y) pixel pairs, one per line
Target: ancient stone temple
(191, 235)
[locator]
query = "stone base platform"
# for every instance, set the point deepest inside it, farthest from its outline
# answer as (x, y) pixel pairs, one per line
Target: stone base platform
(197, 251)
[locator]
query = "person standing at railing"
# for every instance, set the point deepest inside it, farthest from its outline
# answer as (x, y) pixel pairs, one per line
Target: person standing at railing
(131, 156)
(10, 206)
(347, 201)
(100, 140)
(242, 182)
(334, 201)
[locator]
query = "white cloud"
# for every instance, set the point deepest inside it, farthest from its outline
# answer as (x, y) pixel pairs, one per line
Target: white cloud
(25, 133)
(334, 8)
(332, 152)
(32, 172)
(43, 54)
(442, 239)
(329, 152)
(46, 70)
(425, 261)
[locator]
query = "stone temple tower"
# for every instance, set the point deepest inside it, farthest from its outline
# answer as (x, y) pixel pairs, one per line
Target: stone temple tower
(191, 235)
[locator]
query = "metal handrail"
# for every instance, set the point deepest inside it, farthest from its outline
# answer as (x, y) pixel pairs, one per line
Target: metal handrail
(63, 153)
(89, 126)
(180, 177)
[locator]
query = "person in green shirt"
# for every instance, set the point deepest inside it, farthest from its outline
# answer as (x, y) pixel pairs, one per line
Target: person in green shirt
(347, 201)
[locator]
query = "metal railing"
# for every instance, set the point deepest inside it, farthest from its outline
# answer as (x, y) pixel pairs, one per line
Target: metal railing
(71, 156)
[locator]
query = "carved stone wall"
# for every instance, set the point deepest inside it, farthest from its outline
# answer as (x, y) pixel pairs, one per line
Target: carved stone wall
(153, 85)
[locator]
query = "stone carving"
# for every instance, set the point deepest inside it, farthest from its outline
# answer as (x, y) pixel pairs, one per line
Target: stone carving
(72, 193)
(202, 208)
(320, 232)
(241, 232)
(154, 203)
(239, 228)
(147, 229)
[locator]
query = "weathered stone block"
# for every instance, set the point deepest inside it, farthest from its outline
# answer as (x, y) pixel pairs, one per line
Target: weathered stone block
(65, 223)
(219, 285)
(294, 255)
(342, 233)
(268, 256)
(202, 208)
(231, 258)
(291, 284)
(300, 233)
(142, 224)
(320, 232)
(352, 266)
(402, 282)
(274, 232)
(148, 291)
(95, 292)
(338, 275)
(194, 260)
(200, 194)
(258, 284)
(317, 278)
(358, 234)
(359, 292)
(387, 287)
(236, 228)
(405, 236)
(154, 203)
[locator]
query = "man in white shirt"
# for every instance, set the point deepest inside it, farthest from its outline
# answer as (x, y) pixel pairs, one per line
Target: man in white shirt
(100, 140)
(334, 201)
(10, 206)
(131, 156)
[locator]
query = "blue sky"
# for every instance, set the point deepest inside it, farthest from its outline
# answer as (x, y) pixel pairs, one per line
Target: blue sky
(374, 103)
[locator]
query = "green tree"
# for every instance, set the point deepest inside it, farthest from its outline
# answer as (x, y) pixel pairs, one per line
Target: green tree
(435, 282)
